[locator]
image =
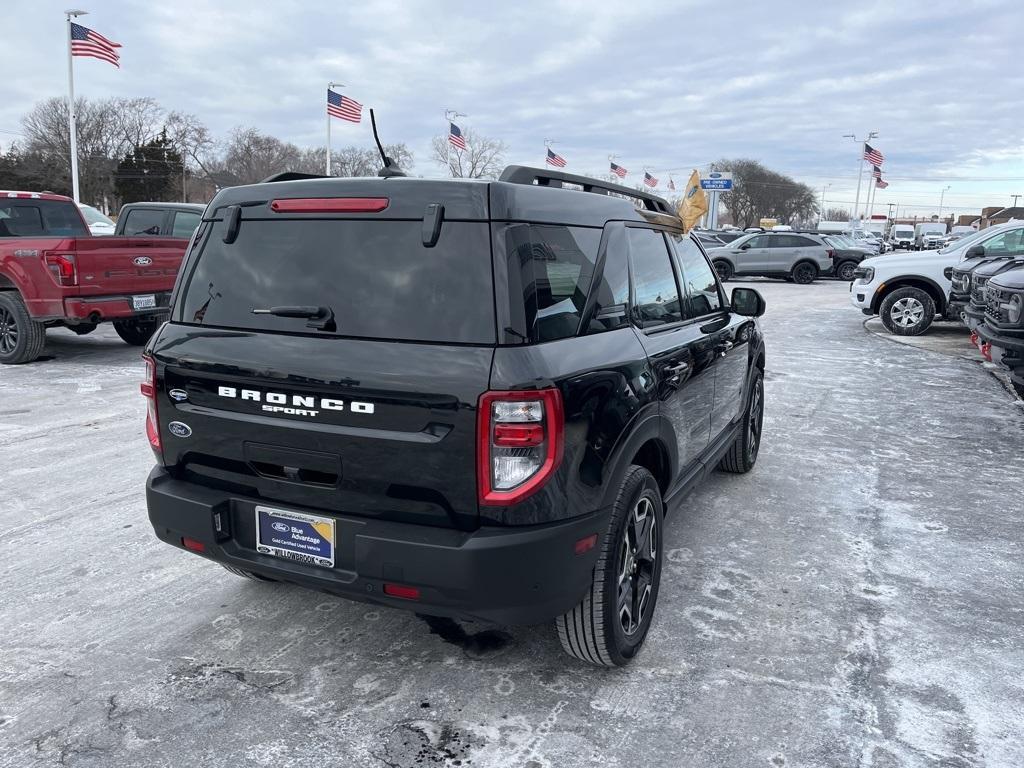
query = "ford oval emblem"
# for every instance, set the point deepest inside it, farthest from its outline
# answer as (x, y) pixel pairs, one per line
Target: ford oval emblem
(280, 527)
(180, 429)
(142, 261)
(178, 395)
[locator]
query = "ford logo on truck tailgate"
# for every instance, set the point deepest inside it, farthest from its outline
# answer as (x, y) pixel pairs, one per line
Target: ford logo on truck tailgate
(179, 429)
(142, 261)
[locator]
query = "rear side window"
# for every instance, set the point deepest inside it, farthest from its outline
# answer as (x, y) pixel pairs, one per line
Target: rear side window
(185, 223)
(550, 271)
(376, 277)
(143, 221)
(40, 218)
(654, 282)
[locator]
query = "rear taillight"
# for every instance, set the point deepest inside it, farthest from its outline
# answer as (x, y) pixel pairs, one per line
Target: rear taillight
(519, 443)
(63, 268)
(148, 389)
(831, 252)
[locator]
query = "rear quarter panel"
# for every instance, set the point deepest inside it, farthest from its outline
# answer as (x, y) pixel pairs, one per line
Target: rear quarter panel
(22, 266)
(607, 391)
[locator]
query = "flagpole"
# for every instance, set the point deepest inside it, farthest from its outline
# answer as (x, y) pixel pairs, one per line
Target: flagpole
(73, 134)
(329, 87)
(860, 173)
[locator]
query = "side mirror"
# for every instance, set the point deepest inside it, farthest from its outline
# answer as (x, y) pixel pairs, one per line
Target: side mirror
(744, 246)
(747, 302)
(975, 250)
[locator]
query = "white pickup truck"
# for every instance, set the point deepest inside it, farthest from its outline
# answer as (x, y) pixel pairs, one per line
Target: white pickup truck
(909, 290)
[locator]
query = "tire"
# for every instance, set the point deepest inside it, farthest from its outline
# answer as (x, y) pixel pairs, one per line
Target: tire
(845, 271)
(21, 338)
(136, 332)
(907, 311)
(742, 455)
(594, 630)
(804, 273)
(1018, 388)
(246, 574)
(724, 269)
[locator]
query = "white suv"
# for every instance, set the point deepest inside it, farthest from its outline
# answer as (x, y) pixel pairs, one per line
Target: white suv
(908, 290)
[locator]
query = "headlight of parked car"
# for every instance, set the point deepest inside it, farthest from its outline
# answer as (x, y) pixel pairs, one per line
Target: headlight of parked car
(864, 274)
(1014, 308)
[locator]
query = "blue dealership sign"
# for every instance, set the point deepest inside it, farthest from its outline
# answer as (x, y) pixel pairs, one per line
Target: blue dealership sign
(720, 181)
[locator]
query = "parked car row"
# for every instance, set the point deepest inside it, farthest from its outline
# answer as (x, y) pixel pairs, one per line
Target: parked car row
(54, 272)
(798, 256)
(978, 279)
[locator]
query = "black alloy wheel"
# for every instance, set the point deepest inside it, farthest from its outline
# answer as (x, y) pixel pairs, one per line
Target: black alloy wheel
(638, 557)
(804, 273)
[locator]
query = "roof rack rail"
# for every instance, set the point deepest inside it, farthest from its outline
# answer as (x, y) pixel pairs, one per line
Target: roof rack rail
(292, 176)
(521, 174)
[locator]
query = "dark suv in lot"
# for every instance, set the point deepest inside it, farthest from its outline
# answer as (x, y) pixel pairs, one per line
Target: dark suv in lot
(468, 399)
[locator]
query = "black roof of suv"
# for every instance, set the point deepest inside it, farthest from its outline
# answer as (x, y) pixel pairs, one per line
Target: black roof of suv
(474, 399)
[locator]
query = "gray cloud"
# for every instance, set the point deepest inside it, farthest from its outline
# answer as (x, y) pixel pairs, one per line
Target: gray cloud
(668, 85)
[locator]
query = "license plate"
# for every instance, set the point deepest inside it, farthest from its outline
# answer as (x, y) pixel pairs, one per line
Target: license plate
(144, 302)
(296, 536)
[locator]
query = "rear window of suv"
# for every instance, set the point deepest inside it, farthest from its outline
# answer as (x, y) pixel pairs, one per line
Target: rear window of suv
(41, 218)
(376, 276)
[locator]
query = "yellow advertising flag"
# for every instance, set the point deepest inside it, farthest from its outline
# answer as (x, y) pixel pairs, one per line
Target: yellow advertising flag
(695, 203)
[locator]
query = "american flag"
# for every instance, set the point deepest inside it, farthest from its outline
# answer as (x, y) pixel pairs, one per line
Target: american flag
(86, 42)
(455, 137)
(650, 181)
(343, 107)
(881, 184)
(619, 171)
(876, 172)
(671, 184)
(872, 155)
(556, 160)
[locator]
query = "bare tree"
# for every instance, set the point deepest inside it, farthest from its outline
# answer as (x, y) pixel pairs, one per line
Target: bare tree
(761, 192)
(483, 157)
(353, 161)
(252, 156)
(836, 214)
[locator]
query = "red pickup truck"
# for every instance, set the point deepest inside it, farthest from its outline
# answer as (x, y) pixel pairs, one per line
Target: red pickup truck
(54, 272)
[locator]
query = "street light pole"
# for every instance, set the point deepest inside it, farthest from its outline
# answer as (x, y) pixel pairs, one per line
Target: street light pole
(821, 210)
(1015, 199)
(942, 199)
(860, 167)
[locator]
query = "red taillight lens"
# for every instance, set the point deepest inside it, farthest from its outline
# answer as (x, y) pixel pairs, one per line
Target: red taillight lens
(402, 591)
(148, 389)
(63, 268)
(193, 545)
(519, 443)
(330, 205)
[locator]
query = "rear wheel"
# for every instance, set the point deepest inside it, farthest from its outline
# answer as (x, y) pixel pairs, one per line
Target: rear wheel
(21, 338)
(724, 270)
(610, 624)
(804, 273)
(246, 574)
(845, 270)
(136, 331)
(743, 454)
(907, 311)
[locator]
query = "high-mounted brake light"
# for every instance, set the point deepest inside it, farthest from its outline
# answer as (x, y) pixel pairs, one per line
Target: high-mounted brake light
(63, 268)
(519, 443)
(330, 205)
(148, 389)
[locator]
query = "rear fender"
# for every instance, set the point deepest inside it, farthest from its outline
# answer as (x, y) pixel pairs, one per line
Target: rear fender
(649, 425)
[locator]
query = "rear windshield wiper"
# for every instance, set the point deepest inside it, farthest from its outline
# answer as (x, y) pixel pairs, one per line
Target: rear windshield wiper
(320, 318)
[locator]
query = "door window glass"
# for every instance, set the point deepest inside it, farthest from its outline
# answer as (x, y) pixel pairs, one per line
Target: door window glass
(699, 282)
(654, 282)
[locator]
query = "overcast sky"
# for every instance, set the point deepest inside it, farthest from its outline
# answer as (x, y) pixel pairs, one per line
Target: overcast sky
(670, 86)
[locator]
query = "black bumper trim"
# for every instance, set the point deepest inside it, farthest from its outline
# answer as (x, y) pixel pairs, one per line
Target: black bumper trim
(507, 575)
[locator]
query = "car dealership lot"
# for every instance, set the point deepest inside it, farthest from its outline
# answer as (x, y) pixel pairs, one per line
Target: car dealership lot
(855, 600)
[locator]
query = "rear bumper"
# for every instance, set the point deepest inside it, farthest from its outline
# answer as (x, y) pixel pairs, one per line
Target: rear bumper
(521, 575)
(87, 308)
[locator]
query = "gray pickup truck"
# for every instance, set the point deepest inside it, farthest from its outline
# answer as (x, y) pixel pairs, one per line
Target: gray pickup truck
(159, 219)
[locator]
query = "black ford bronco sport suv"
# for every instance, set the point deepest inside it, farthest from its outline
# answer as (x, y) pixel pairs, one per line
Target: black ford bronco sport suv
(470, 399)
